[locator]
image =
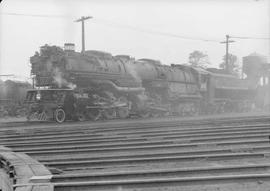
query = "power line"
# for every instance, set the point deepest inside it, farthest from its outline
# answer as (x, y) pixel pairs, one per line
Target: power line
(251, 38)
(35, 15)
(114, 24)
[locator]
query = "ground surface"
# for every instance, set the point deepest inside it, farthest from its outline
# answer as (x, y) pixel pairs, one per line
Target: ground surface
(5, 184)
(21, 122)
(88, 152)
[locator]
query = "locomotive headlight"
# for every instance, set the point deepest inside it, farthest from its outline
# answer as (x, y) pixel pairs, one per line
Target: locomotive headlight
(38, 96)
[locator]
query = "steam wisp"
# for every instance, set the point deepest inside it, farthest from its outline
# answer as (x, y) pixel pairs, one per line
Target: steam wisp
(60, 80)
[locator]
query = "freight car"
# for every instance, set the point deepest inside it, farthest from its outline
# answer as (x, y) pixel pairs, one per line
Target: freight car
(12, 96)
(106, 86)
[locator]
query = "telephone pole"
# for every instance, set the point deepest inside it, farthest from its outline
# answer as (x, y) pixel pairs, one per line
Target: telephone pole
(82, 19)
(227, 52)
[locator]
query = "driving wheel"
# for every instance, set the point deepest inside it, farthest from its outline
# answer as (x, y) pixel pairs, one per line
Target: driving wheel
(81, 117)
(123, 112)
(94, 114)
(109, 113)
(60, 115)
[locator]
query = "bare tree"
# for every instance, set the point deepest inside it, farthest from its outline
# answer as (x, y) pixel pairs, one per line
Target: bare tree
(198, 59)
(233, 66)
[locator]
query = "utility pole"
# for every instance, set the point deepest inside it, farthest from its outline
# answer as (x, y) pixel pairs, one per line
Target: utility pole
(82, 19)
(227, 52)
(268, 87)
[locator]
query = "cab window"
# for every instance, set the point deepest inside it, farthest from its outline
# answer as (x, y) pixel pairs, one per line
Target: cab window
(31, 96)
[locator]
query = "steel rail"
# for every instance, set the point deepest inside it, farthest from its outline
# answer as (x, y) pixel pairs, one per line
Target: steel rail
(106, 162)
(105, 138)
(156, 182)
(150, 147)
(160, 173)
(153, 154)
(207, 139)
(126, 124)
(115, 140)
(128, 128)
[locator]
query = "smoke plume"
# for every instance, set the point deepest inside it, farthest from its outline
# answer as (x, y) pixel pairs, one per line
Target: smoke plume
(60, 80)
(131, 68)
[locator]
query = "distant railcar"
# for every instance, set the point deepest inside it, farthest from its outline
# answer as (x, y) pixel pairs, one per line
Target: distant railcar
(12, 96)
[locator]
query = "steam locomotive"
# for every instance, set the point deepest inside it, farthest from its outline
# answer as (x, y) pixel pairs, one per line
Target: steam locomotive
(95, 84)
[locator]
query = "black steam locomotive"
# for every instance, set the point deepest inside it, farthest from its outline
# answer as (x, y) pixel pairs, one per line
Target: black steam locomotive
(95, 84)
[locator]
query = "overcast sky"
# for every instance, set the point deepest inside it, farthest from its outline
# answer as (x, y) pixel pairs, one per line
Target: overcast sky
(142, 29)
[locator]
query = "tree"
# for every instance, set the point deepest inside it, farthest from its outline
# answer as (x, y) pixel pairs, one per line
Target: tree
(198, 59)
(233, 66)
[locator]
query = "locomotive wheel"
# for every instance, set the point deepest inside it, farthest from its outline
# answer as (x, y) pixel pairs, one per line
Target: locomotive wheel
(144, 114)
(123, 112)
(166, 114)
(28, 117)
(94, 114)
(180, 110)
(60, 115)
(81, 117)
(194, 110)
(109, 113)
(156, 114)
(222, 108)
(21, 112)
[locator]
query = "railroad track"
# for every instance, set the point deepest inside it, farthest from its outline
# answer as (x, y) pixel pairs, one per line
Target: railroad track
(166, 137)
(162, 122)
(175, 172)
(148, 154)
(190, 183)
(86, 135)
